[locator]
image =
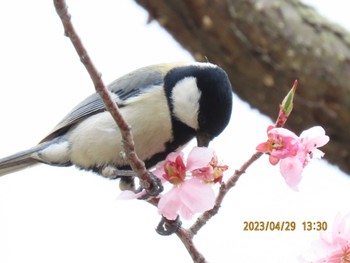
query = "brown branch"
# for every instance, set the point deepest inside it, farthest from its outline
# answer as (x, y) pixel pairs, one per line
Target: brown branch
(187, 239)
(138, 166)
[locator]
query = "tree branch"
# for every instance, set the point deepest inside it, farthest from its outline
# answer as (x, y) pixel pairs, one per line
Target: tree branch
(187, 239)
(146, 179)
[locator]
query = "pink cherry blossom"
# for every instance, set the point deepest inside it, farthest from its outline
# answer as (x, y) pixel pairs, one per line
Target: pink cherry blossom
(312, 139)
(128, 195)
(281, 143)
(292, 167)
(191, 192)
(293, 152)
(333, 247)
(191, 181)
(212, 173)
(175, 172)
(199, 157)
(190, 197)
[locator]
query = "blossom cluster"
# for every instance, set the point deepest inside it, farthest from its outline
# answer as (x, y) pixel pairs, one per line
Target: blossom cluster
(191, 181)
(293, 152)
(332, 247)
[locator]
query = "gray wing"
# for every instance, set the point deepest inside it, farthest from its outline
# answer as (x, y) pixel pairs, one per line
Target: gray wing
(123, 88)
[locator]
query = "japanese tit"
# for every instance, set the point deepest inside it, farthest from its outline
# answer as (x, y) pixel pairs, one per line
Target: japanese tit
(166, 106)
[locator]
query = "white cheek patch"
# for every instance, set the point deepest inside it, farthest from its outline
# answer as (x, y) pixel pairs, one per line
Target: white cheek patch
(185, 99)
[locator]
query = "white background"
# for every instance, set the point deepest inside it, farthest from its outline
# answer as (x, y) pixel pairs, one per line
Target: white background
(50, 214)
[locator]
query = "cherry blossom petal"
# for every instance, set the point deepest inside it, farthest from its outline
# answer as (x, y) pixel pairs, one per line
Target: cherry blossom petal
(281, 144)
(190, 197)
(206, 174)
(313, 132)
(197, 196)
(173, 155)
(169, 204)
(269, 128)
(314, 137)
(159, 171)
(333, 247)
(341, 230)
(128, 195)
(282, 132)
(317, 153)
(185, 212)
(263, 147)
(291, 169)
(273, 160)
(199, 157)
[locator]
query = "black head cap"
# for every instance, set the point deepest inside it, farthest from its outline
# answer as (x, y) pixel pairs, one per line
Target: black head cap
(215, 100)
(215, 104)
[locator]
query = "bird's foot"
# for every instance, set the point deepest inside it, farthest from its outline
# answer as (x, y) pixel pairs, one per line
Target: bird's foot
(151, 184)
(114, 173)
(153, 187)
(168, 227)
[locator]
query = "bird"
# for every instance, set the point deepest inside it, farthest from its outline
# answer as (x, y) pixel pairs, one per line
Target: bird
(166, 105)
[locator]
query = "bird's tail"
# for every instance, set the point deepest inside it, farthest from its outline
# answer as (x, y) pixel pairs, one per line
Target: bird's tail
(19, 160)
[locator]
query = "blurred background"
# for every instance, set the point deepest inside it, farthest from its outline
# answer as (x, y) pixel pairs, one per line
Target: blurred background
(50, 214)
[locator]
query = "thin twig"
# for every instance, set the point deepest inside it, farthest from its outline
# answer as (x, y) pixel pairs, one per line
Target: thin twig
(136, 164)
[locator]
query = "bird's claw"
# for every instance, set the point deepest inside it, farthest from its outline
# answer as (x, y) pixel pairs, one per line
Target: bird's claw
(168, 227)
(155, 187)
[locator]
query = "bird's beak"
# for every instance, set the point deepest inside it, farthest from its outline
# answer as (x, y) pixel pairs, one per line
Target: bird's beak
(203, 139)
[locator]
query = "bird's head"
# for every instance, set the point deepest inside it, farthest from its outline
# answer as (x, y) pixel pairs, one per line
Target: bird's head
(201, 98)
